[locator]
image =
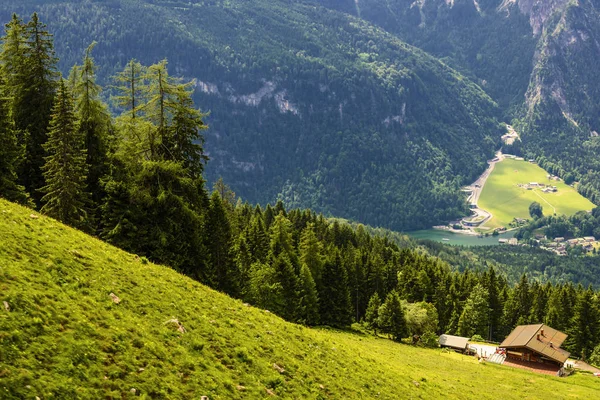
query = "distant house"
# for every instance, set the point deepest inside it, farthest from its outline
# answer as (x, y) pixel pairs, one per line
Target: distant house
(533, 184)
(513, 241)
(573, 242)
(589, 239)
(559, 239)
(502, 241)
(454, 342)
(536, 344)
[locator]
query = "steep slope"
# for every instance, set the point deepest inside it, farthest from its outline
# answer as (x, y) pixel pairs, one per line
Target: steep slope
(537, 58)
(64, 335)
(561, 117)
(307, 104)
(491, 41)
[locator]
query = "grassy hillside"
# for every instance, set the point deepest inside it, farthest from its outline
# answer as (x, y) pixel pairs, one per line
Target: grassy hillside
(505, 200)
(309, 105)
(62, 336)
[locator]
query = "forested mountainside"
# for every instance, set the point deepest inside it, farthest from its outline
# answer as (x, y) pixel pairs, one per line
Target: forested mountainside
(492, 46)
(537, 58)
(306, 104)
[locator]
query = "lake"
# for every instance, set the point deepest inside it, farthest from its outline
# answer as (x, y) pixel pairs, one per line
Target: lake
(457, 239)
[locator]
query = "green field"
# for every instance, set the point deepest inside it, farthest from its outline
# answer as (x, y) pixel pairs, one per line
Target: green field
(505, 200)
(63, 337)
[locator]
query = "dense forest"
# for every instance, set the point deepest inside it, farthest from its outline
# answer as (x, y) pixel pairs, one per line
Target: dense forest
(535, 58)
(331, 113)
(137, 181)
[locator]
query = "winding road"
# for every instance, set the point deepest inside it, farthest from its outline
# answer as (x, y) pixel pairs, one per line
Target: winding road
(476, 188)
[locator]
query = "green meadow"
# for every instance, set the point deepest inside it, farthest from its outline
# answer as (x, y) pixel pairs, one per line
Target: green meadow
(165, 336)
(505, 200)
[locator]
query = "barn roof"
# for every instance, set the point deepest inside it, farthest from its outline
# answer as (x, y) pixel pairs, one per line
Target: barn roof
(539, 338)
(456, 342)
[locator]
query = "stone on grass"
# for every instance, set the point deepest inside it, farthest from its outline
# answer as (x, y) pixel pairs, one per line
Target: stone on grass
(279, 368)
(115, 298)
(6, 306)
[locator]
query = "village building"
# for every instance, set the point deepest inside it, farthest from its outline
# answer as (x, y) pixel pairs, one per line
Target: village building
(535, 346)
(456, 343)
(559, 239)
(589, 239)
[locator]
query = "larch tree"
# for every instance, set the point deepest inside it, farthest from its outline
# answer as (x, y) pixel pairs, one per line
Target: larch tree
(65, 170)
(311, 252)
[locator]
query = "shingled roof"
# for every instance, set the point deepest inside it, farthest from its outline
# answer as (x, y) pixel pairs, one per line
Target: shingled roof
(539, 338)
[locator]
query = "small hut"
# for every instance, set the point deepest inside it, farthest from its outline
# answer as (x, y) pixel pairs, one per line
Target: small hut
(456, 343)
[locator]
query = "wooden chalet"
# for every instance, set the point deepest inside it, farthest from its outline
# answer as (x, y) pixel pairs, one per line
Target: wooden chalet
(454, 342)
(536, 344)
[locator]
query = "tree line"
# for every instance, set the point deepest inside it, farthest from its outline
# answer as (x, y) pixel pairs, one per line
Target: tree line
(136, 181)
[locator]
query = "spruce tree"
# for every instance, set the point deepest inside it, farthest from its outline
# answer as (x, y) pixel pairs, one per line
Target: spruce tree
(223, 274)
(392, 319)
(65, 195)
(10, 153)
(309, 298)
(334, 294)
(583, 331)
(372, 314)
(33, 108)
(94, 122)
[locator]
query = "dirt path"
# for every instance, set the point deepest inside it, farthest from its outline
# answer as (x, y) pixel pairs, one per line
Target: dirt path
(538, 195)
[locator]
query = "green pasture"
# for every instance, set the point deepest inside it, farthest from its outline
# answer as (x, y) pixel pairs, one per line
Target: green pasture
(81, 319)
(505, 200)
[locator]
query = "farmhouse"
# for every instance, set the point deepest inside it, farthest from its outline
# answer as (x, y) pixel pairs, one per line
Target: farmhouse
(454, 342)
(536, 346)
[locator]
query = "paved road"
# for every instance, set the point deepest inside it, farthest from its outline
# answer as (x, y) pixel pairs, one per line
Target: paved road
(477, 186)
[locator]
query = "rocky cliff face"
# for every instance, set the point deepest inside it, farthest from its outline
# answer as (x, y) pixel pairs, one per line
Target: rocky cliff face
(539, 11)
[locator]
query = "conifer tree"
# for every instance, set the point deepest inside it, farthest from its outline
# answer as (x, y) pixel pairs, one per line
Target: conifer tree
(372, 313)
(392, 319)
(334, 294)
(583, 332)
(475, 315)
(128, 85)
(10, 153)
(309, 299)
(264, 289)
(223, 274)
(94, 121)
(32, 109)
(311, 252)
(65, 196)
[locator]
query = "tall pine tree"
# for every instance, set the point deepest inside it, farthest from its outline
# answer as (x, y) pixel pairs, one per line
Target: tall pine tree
(65, 196)
(10, 153)
(32, 110)
(94, 122)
